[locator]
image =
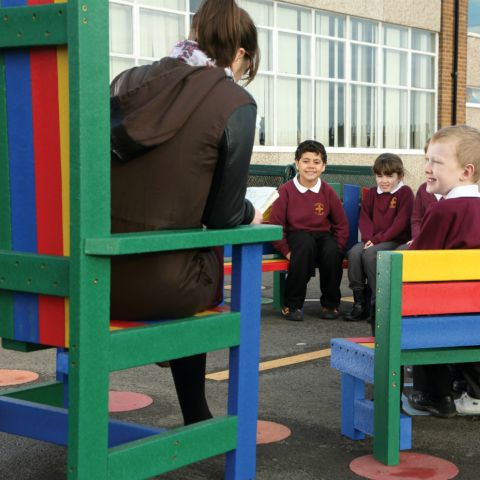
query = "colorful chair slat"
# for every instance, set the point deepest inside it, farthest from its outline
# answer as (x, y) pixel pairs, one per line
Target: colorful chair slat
(466, 294)
(38, 216)
(55, 249)
(417, 323)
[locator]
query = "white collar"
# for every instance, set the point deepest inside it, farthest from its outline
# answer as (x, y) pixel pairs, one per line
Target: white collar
(395, 190)
(302, 189)
(438, 196)
(463, 191)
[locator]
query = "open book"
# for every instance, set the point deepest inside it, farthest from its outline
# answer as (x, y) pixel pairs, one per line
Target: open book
(262, 199)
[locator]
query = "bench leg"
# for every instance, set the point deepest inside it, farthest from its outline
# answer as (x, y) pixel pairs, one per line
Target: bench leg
(278, 289)
(352, 389)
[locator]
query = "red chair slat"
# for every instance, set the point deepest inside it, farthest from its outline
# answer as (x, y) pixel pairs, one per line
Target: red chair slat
(442, 298)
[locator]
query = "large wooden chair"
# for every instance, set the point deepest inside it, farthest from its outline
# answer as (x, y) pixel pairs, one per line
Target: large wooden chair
(428, 312)
(55, 249)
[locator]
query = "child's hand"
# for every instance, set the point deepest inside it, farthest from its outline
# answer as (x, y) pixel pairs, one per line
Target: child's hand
(409, 242)
(258, 218)
(368, 245)
(288, 255)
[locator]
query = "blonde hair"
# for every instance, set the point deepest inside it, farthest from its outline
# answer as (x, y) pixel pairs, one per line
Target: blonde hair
(425, 147)
(466, 142)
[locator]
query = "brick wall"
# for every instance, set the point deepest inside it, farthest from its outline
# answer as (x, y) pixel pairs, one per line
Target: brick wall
(446, 63)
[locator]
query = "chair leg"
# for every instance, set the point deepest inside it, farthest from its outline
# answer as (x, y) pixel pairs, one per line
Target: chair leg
(244, 359)
(352, 389)
(386, 442)
(61, 368)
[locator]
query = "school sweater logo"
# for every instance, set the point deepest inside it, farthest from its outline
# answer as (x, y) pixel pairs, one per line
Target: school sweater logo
(319, 208)
(393, 203)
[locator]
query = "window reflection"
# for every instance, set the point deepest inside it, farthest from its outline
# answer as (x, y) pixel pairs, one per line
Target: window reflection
(320, 72)
(422, 113)
(473, 95)
(293, 53)
(330, 113)
(474, 16)
(294, 100)
(363, 116)
(364, 60)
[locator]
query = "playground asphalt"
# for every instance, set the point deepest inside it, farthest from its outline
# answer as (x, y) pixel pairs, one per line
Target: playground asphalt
(305, 397)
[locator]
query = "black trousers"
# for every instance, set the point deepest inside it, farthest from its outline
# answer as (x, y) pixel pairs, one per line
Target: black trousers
(436, 380)
(308, 251)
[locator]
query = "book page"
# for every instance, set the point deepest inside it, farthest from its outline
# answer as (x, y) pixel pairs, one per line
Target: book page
(262, 197)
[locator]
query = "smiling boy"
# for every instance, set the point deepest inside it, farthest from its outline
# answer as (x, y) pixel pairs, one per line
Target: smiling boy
(315, 233)
(452, 169)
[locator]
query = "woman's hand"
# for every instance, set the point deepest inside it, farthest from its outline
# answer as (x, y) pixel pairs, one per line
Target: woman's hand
(258, 218)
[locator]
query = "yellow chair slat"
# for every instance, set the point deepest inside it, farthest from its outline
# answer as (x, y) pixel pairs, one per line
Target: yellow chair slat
(440, 265)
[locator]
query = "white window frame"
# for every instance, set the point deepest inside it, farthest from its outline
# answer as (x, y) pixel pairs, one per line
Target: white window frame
(378, 85)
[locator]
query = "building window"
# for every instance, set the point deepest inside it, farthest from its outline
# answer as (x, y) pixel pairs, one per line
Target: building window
(142, 31)
(346, 81)
(473, 97)
(474, 16)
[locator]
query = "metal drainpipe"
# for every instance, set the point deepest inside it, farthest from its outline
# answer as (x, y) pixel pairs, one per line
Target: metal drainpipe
(455, 61)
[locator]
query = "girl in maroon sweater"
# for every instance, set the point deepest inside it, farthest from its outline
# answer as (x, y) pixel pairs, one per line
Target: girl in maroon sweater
(384, 224)
(315, 233)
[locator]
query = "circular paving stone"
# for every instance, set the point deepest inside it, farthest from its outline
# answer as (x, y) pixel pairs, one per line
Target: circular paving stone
(413, 466)
(16, 377)
(127, 401)
(270, 432)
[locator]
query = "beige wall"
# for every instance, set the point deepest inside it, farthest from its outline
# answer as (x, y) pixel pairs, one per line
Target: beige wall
(473, 77)
(413, 163)
(413, 13)
(473, 117)
(473, 61)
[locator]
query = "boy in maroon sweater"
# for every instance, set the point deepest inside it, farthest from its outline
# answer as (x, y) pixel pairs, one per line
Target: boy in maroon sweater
(423, 200)
(315, 233)
(452, 170)
(384, 224)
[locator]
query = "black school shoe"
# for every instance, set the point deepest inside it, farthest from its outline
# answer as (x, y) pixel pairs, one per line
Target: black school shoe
(443, 407)
(292, 314)
(329, 313)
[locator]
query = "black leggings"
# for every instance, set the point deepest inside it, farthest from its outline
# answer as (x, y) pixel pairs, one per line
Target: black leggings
(189, 378)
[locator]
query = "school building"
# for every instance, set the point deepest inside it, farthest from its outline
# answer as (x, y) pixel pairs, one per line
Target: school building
(361, 76)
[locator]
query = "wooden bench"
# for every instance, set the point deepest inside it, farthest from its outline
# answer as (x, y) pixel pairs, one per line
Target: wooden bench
(349, 181)
(55, 249)
(417, 323)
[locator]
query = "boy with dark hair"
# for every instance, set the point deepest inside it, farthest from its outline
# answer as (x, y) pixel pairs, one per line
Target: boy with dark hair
(384, 224)
(315, 233)
(452, 170)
